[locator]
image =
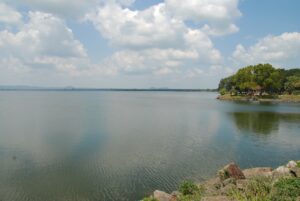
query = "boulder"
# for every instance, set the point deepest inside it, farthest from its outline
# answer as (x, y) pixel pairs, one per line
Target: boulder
(163, 196)
(291, 164)
(258, 172)
(231, 171)
(281, 171)
(295, 171)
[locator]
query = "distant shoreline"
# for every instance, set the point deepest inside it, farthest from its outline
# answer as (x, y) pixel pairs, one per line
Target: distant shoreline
(106, 89)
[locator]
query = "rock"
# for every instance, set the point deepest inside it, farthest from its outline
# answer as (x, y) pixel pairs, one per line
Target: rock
(215, 198)
(231, 171)
(281, 171)
(295, 171)
(291, 164)
(258, 172)
(163, 196)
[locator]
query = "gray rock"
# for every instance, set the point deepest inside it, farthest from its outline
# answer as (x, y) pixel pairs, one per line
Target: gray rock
(291, 164)
(258, 172)
(163, 196)
(295, 171)
(281, 171)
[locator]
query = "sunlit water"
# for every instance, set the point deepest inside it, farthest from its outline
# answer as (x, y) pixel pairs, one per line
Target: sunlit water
(104, 146)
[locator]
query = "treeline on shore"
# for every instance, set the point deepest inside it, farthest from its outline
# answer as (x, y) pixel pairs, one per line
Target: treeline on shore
(261, 79)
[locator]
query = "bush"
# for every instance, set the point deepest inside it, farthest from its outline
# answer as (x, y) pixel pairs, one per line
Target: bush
(223, 91)
(189, 191)
(286, 189)
(150, 199)
(188, 188)
(257, 189)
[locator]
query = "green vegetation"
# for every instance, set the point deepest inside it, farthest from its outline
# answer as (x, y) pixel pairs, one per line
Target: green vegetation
(286, 189)
(150, 199)
(190, 191)
(261, 79)
(263, 189)
(257, 189)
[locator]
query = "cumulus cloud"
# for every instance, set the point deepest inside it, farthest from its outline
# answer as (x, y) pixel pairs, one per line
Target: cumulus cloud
(281, 49)
(9, 15)
(218, 16)
(128, 28)
(45, 41)
(152, 41)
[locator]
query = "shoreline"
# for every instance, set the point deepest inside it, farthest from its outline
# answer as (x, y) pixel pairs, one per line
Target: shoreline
(278, 99)
(233, 184)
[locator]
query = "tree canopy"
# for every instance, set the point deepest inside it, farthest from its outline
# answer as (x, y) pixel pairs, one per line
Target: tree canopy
(261, 78)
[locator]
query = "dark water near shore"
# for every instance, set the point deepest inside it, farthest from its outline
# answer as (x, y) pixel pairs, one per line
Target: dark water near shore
(61, 146)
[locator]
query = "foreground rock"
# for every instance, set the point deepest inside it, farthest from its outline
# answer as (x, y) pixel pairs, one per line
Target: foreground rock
(232, 179)
(258, 172)
(231, 171)
(163, 196)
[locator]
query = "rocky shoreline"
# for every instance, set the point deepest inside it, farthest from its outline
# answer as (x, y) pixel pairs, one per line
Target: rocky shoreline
(234, 184)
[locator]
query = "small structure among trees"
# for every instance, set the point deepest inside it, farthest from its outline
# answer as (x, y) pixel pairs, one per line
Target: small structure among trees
(261, 79)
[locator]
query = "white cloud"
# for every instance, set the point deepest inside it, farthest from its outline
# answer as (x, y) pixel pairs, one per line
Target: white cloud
(9, 15)
(282, 49)
(151, 41)
(149, 28)
(218, 15)
(45, 41)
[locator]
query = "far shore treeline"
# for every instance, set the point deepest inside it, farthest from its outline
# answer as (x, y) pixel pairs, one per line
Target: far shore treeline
(261, 79)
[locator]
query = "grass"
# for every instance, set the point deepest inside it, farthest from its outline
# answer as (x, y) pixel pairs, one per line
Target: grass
(149, 199)
(286, 189)
(190, 191)
(263, 189)
(298, 164)
(257, 189)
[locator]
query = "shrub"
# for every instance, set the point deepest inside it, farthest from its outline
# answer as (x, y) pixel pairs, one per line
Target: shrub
(190, 191)
(149, 199)
(286, 189)
(256, 189)
(223, 91)
(188, 188)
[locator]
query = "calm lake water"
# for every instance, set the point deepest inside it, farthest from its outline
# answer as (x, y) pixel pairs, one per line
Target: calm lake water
(106, 146)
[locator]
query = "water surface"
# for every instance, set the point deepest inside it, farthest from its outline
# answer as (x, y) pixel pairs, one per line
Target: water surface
(91, 146)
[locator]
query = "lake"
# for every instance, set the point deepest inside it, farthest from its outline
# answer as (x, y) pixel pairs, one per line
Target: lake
(115, 146)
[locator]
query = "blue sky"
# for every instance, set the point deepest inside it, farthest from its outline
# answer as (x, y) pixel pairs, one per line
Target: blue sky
(143, 43)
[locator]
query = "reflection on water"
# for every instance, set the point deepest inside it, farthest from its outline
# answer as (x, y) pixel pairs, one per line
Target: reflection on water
(122, 145)
(262, 122)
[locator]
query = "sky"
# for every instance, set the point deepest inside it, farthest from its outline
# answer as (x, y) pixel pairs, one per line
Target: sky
(143, 43)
